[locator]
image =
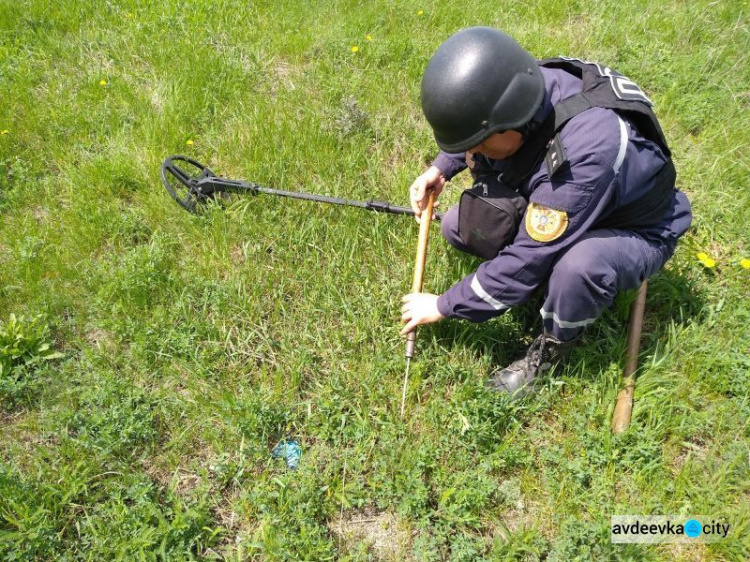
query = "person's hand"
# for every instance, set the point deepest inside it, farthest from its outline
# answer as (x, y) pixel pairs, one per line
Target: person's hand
(432, 179)
(419, 308)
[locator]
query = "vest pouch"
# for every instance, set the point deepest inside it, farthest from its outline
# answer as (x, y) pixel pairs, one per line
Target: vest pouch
(489, 216)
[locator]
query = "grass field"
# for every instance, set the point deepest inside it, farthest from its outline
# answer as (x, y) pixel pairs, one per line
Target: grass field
(150, 359)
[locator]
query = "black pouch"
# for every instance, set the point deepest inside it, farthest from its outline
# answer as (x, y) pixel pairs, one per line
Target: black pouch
(489, 215)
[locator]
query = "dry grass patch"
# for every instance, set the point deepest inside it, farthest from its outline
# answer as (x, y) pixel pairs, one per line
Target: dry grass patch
(384, 534)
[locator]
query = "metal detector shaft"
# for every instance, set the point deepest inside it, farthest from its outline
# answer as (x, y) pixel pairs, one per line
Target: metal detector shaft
(221, 184)
(199, 183)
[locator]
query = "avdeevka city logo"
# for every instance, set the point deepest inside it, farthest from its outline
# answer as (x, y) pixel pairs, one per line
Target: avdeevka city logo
(666, 529)
(693, 528)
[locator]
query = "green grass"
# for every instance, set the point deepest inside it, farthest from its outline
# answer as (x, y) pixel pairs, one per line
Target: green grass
(156, 357)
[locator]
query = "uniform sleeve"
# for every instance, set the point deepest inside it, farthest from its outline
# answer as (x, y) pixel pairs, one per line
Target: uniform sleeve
(450, 164)
(580, 195)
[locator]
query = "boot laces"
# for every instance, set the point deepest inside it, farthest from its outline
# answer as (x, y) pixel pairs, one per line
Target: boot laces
(543, 352)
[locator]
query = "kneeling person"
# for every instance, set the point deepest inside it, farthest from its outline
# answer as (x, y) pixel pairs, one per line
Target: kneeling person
(579, 145)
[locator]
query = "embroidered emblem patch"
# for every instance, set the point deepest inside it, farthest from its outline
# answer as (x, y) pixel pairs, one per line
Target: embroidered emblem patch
(545, 224)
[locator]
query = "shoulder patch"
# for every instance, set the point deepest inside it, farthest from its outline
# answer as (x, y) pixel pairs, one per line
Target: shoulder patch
(545, 224)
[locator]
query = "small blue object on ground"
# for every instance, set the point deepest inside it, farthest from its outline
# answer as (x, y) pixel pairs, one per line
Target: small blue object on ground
(289, 450)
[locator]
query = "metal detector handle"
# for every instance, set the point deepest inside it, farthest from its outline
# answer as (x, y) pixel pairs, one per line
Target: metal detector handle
(386, 207)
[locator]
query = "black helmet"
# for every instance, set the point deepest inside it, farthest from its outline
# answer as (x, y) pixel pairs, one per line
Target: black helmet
(480, 81)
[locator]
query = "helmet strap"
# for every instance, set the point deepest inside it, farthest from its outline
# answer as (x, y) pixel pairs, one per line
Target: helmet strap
(528, 128)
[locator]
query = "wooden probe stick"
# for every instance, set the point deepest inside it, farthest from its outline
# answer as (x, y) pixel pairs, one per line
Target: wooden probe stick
(624, 404)
(416, 285)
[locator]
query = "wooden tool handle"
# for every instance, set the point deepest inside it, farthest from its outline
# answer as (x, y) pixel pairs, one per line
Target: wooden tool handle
(424, 235)
(416, 285)
(624, 405)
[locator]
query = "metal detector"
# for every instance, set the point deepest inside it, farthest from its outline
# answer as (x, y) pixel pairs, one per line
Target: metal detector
(192, 184)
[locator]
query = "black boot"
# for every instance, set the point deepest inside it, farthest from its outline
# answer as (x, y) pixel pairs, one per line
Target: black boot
(545, 354)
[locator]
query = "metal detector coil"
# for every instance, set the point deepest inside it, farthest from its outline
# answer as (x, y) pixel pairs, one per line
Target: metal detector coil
(190, 183)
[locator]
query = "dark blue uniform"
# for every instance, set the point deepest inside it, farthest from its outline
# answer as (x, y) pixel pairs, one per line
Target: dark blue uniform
(611, 164)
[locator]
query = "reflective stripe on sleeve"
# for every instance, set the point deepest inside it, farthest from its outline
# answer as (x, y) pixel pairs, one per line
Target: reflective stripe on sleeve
(485, 296)
(623, 146)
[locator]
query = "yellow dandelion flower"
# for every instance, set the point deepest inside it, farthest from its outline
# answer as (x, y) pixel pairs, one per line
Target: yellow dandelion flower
(420, 12)
(745, 263)
(368, 37)
(102, 82)
(708, 262)
(355, 49)
(702, 256)
(190, 142)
